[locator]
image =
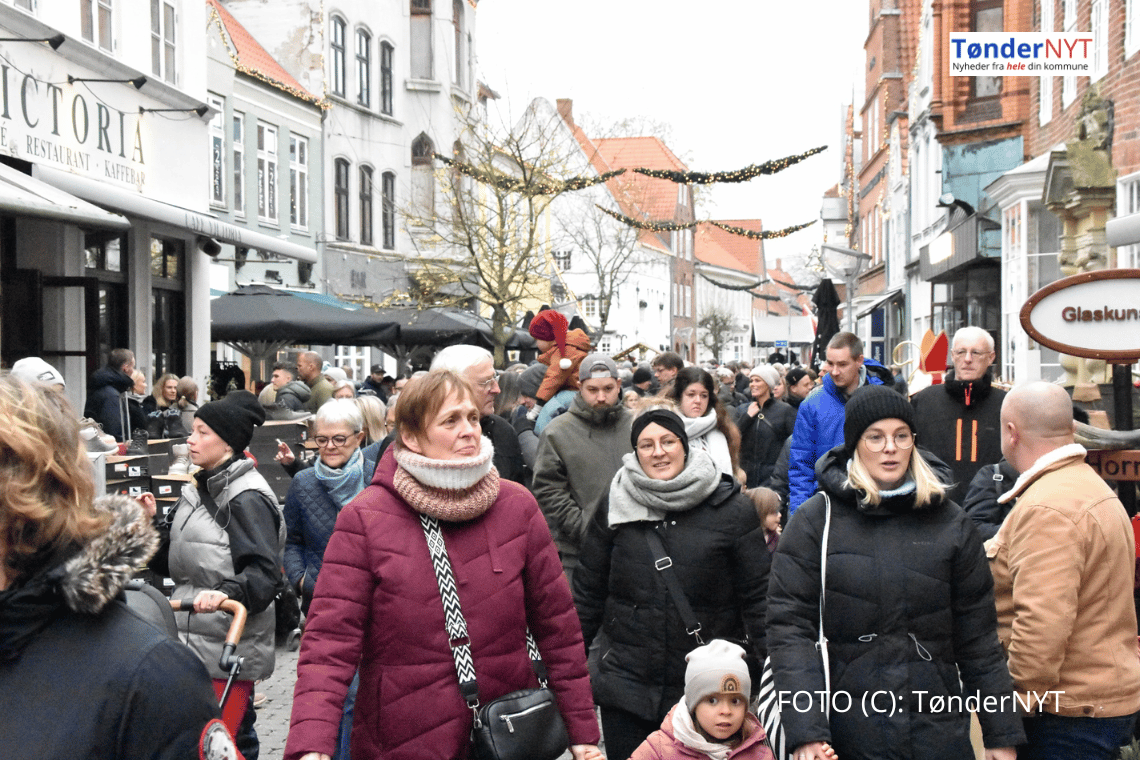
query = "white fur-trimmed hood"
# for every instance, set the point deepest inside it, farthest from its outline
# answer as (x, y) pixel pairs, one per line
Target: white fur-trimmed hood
(1043, 463)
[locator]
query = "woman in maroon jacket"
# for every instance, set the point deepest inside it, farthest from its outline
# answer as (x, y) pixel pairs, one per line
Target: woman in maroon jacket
(377, 603)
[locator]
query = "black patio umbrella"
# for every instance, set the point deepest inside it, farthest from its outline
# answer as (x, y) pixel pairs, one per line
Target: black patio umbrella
(442, 327)
(826, 301)
(259, 320)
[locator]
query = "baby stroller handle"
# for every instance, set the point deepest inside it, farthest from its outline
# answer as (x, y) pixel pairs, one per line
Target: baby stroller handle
(233, 635)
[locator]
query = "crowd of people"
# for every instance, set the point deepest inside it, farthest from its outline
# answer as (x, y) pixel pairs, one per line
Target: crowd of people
(661, 534)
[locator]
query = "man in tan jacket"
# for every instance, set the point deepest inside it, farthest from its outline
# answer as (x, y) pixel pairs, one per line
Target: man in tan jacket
(1063, 565)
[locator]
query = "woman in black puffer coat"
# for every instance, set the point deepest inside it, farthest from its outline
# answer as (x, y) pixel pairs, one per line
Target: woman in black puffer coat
(909, 611)
(716, 543)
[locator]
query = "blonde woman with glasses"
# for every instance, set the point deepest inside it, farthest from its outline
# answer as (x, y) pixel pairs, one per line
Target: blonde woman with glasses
(908, 616)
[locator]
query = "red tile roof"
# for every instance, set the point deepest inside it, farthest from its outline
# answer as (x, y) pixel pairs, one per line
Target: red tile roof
(250, 58)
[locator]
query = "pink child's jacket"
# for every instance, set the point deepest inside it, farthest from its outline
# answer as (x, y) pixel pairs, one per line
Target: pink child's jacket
(662, 745)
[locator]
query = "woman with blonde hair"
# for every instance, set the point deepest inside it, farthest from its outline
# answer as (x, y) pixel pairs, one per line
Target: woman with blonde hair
(111, 684)
(909, 605)
(163, 395)
(186, 400)
(373, 411)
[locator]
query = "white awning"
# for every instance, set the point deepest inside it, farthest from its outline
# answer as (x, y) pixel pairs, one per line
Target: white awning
(890, 295)
(792, 328)
(24, 195)
(194, 221)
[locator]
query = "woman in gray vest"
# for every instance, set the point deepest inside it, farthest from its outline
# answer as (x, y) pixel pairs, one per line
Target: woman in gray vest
(226, 541)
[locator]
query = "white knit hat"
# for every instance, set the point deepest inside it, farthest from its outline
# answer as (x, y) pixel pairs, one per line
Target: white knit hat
(768, 374)
(716, 667)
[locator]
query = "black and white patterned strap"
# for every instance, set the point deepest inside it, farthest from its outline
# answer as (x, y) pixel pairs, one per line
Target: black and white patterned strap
(456, 624)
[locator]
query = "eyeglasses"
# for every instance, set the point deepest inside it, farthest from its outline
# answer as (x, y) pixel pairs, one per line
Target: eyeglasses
(961, 353)
(488, 384)
(877, 441)
(667, 445)
(337, 440)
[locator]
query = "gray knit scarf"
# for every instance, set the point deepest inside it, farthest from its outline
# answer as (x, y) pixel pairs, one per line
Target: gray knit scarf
(635, 496)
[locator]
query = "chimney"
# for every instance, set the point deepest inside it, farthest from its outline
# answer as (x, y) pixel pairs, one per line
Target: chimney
(778, 266)
(566, 110)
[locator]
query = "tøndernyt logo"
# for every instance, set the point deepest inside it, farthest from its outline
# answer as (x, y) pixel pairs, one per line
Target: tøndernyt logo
(1021, 54)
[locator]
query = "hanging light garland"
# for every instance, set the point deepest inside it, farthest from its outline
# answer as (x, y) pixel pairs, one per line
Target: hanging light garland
(532, 187)
(765, 234)
(645, 224)
(740, 175)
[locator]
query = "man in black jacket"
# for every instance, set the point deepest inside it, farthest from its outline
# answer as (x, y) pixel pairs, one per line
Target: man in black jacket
(478, 366)
(960, 420)
(105, 388)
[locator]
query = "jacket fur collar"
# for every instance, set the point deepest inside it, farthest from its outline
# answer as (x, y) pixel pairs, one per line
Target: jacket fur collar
(1043, 464)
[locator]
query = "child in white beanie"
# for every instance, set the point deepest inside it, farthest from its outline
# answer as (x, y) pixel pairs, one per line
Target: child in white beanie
(712, 718)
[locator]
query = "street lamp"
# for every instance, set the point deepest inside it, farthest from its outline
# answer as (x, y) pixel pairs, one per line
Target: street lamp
(847, 264)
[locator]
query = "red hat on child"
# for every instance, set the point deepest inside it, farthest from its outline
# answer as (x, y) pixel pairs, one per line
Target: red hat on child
(551, 325)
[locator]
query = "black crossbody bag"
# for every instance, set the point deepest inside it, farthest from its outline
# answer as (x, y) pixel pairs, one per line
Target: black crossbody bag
(522, 725)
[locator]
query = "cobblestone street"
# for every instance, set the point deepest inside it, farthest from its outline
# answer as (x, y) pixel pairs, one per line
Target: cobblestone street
(273, 717)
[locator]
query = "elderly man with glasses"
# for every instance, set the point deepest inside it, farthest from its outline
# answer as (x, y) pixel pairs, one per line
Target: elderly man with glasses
(960, 420)
(477, 366)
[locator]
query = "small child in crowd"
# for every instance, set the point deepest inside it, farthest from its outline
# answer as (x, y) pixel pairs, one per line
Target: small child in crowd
(562, 351)
(767, 503)
(712, 719)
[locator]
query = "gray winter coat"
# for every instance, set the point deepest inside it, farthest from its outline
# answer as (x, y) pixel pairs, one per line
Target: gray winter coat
(578, 455)
(201, 558)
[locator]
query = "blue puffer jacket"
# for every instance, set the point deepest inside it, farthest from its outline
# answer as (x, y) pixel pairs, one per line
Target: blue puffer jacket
(310, 516)
(819, 428)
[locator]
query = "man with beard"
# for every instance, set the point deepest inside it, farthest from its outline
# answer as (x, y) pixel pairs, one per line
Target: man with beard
(579, 453)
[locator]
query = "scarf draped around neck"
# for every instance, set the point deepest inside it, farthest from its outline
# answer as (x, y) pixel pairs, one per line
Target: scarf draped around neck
(635, 496)
(704, 434)
(452, 490)
(344, 483)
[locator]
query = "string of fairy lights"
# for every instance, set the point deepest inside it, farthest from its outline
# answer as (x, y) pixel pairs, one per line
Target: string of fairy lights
(534, 186)
(668, 226)
(531, 186)
(739, 175)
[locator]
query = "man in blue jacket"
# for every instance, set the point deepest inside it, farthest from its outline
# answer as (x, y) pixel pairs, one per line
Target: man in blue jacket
(819, 423)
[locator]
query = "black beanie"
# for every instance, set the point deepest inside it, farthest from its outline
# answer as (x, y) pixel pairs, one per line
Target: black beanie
(666, 419)
(641, 375)
(870, 404)
(233, 418)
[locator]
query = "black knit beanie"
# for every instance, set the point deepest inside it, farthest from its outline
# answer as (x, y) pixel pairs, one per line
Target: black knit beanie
(666, 419)
(233, 418)
(870, 404)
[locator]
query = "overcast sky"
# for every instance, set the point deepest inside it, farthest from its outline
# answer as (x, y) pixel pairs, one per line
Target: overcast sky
(738, 82)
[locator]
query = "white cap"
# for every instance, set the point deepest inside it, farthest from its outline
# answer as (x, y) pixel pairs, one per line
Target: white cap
(716, 667)
(768, 374)
(36, 371)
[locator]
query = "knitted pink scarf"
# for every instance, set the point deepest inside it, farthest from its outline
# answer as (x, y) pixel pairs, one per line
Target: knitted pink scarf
(451, 490)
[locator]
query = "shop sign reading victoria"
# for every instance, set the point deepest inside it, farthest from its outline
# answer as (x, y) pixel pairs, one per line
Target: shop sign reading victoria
(58, 124)
(1095, 315)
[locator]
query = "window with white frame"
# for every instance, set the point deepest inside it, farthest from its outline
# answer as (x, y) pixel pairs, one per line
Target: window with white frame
(388, 209)
(353, 357)
(457, 23)
(605, 345)
(420, 42)
(340, 196)
(28, 5)
(217, 151)
(688, 300)
(423, 175)
(562, 260)
(95, 18)
(266, 172)
(298, 181)
(363, 68)
(988, 16)
(238, 123)
(1098, 22)
(386, 56)
(1128, 202)
(1131, 29)
(1069, 83)
(1045, 84)
(337, 56)
(366, 205)
(162, 40)
(590, 308)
